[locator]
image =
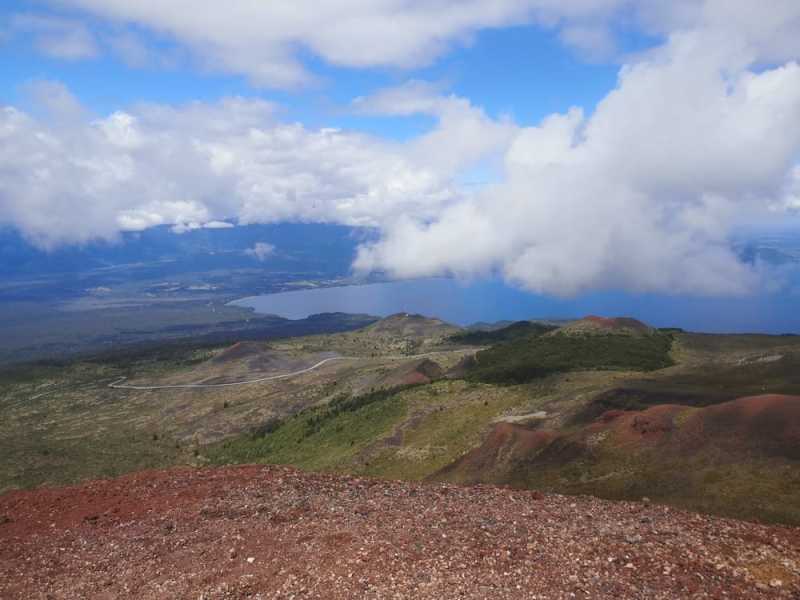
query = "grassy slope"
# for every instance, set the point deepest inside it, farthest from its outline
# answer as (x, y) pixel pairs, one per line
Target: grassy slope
(320, 438)
(407, 434)
(740, 486)
(415, 432)
(518, 330)
(533, 357)
(53, 432)
(60, 423)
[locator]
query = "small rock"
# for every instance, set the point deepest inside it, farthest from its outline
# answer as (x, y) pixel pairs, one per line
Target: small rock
(775, 583)
(251, 559)
(633, 539)
(232, 553)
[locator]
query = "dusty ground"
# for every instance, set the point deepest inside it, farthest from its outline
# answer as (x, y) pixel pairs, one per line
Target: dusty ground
(272, 532)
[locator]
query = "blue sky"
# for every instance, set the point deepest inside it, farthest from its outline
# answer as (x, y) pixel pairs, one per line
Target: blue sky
(522, 71)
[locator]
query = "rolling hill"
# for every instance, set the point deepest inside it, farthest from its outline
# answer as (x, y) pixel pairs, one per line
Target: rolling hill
(621, 411)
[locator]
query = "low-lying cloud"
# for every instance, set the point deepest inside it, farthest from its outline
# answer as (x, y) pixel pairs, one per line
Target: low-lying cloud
(641, 192)
(697, 138)
(67, 176)
(261, 251)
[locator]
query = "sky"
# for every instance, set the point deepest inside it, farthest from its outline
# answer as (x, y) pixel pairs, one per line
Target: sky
(565, 146)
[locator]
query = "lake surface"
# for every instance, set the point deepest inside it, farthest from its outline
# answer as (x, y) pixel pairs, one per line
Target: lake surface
(463, 303)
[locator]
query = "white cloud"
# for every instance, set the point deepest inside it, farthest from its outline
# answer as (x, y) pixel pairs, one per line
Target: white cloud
(791, 199)
(701, 134)
(218, 225)
(68, 176)
(697, 137)
(66, 39)
(132, 49)
(265, 40)
(463, 136)
(261, 251)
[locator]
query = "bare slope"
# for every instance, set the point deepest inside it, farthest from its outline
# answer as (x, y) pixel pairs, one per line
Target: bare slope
(271, 532)
(718, 458)
(594, 325)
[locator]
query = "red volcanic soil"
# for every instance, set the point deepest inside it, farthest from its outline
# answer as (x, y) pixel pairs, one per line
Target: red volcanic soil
(602, 321)
(617, 323)
(505, 442)
(770, 423)
(594, 325)
(272, 532)
(423, 371)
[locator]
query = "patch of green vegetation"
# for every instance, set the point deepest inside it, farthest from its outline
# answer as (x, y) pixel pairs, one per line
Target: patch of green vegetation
(515, 331)
(40, 458)
(444, 426)
(758, 489)
(316, 421)
(530, 358)
(703, 385)
(61, 424)
(320, 438)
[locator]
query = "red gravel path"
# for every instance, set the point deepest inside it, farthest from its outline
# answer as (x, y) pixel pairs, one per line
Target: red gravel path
(272, 532)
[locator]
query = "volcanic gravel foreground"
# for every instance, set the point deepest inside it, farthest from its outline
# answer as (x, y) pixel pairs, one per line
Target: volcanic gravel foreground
(273, 532)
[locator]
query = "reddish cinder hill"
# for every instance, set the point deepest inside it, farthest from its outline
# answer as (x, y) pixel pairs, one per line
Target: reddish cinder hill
(593, 325)
(722, 457)
(271, 532)
(417, 372)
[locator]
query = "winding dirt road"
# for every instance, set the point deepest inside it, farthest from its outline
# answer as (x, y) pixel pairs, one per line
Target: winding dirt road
(119, 385)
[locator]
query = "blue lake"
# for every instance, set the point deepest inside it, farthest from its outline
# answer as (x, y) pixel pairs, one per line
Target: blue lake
(490, 300)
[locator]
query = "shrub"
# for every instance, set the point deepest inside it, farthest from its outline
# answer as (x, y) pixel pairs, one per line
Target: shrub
(526, 359)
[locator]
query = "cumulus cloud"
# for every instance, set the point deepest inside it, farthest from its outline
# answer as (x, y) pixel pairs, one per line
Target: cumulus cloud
(261, 251)
(700, 135)
(266, 40)
(697, 137)
(218, 225)
(463, 135)
(70, 176)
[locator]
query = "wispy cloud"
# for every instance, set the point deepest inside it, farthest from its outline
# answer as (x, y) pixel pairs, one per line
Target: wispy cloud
(61, 38)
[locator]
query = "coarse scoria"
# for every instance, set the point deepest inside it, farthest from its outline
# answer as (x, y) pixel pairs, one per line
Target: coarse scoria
(274, 532)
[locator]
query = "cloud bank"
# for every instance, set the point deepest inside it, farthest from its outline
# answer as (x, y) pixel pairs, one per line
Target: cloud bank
(265, 41)
(67, 176)
(641, 192)
(700, 135)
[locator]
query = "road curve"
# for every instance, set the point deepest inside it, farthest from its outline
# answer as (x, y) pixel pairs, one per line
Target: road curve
(119, 385)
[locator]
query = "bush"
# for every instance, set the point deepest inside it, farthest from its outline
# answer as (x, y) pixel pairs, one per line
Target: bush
(271, 425)
(317, 419)
(526, 359)
(520, 329)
